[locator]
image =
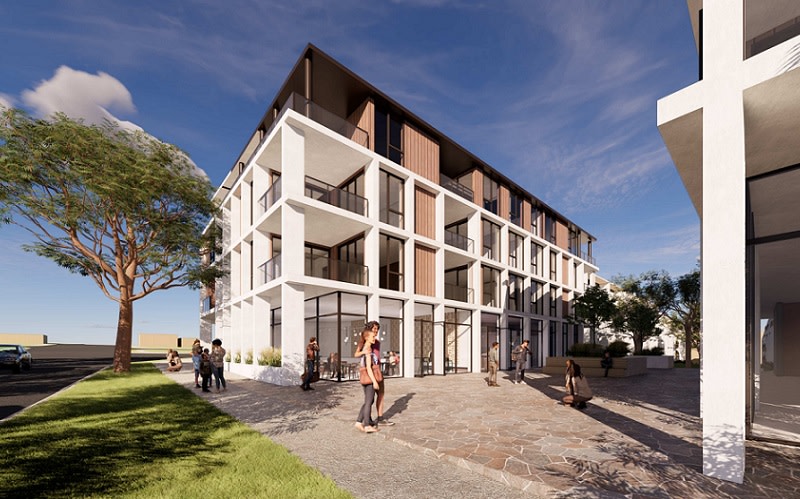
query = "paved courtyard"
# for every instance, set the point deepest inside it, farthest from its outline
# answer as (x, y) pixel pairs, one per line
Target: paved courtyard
(455, 436)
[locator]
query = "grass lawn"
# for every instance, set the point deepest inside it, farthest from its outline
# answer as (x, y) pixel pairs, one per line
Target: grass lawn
(140, 434)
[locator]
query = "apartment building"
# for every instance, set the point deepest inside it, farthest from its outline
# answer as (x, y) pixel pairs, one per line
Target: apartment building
(345, 207)
(733, 136)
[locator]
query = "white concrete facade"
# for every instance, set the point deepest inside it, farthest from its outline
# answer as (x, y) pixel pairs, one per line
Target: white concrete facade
(294, 150)
(734, 124)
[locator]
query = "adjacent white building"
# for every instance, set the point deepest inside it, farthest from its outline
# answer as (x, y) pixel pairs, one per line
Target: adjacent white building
(734, 138)
(346, 207)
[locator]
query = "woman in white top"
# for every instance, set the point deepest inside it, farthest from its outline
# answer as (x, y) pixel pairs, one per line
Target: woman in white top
(577, 387)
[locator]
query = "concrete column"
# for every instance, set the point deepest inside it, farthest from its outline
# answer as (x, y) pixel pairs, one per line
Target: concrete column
(723, 248)
(292, 328)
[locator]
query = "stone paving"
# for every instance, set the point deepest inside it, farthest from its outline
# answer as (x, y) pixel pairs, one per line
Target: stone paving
(454, 435)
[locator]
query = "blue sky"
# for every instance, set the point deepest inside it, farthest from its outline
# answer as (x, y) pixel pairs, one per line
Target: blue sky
(559, 96)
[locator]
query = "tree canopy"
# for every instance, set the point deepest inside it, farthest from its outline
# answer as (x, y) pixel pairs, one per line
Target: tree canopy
(119, 207)
(594, 308)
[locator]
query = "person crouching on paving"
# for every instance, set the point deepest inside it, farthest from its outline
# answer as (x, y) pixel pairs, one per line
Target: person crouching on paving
(577, 387)
(174, 362)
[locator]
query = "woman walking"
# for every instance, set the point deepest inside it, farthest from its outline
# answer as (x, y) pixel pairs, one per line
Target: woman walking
(370, 382)
(218, 363)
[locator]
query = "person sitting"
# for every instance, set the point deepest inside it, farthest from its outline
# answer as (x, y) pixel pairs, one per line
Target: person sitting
(578, 388)
(606, 362)
(174, 362)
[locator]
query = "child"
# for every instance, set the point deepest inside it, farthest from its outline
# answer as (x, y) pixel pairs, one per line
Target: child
(205, 370)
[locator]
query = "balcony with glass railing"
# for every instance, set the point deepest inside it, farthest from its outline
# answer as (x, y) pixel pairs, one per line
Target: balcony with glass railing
(270, 197)
(456, 188)
(270, 270)
(456, 240)
(336, 270)
(321, 191)
(458, 293)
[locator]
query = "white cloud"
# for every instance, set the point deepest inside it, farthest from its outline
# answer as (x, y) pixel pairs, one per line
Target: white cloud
(81, 95)
(6, 101)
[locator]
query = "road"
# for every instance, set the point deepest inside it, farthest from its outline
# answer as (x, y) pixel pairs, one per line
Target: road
(54, 368)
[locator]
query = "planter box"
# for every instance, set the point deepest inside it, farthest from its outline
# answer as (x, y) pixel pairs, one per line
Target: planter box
(660, 361)
(590, 366)
(268, 374)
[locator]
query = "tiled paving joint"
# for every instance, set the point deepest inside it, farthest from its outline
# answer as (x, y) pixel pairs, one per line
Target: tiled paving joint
(639, 437)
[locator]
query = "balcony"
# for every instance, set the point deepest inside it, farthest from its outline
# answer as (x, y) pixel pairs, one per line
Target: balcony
(336, 270)
(458, 293)
(458, 241)
(269, 197)
(327, 119)
(319, 190)
(772, 37)
(270, 270)
(456, 188)
(207, 304)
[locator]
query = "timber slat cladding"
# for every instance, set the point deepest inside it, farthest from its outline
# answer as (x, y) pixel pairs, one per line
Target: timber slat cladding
(503, 204)
(424, 213)
(424, 271)
(420, 153)
(526, 214)
(477, 187)
(364, 118)
(562, 235)
(565, 270)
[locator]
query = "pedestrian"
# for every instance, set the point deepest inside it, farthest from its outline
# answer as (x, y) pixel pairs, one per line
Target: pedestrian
(370, 383)
(312, 356)
(174, 362)
(579, 386)
(205, 369)
(218, 364)
(376, 349)
(522, 352)
(197, 353)
(494, 363)
(607, 362)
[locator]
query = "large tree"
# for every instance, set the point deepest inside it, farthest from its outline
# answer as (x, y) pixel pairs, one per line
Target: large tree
(639, 318)
(119, 207)
(594, 308)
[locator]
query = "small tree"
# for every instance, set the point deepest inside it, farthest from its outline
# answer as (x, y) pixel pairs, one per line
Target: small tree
(118, 207)
(639, 318)
(594, 308)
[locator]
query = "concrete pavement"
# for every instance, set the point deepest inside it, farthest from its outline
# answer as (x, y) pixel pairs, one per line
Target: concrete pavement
(455, 436)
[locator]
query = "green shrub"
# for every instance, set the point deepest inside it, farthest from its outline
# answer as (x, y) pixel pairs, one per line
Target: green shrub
(586, 350)
(238, 357)
(270, 357)
(618, 348)
(248, 358)
(227, 357)
(653, 351)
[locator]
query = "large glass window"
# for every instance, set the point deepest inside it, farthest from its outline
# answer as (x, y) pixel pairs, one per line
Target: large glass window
(336, 320)
(491, 240)
(275, 327)
(564, 338)
(456, 284)
(490, 332)
(514, 338)
(515, 290)
(423, 339)
(391, 336)
(457, 340)
(535, 225)
(515, 250)
(553, 266)
(391, 263)
(536, 298)
(536, 342)
(491, 286)
(537, 251)
(550, 228)
(490, 193)
(553, 302)
(391, 199)
(552, 346)
(515, 209)
(388, 136)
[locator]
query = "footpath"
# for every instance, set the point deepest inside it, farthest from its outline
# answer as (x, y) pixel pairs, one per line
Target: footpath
(456, 437)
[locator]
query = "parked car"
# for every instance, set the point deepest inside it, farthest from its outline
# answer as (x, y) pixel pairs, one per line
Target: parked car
(15, 357)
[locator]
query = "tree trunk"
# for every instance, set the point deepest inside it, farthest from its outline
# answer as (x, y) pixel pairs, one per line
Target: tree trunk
(638, 342)
(594, 335)
(122, 350)
(688, 346)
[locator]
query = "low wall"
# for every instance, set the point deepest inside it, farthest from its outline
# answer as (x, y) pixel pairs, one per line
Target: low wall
(25, 339)
(660, 361)
(281, 376)
(590, 366)
(152, 340)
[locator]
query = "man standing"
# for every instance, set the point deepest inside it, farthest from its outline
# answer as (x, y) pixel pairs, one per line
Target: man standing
(376, 347)
(494, 362)
(522, 352)
(312, 351)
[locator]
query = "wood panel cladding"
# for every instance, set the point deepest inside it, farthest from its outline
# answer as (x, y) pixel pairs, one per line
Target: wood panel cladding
(420, 153)
(477, 187)
(565, 270)
(562, 235)
(526, 214)
(364, 118)
(503, 202)
(424, 271)
(424, 213)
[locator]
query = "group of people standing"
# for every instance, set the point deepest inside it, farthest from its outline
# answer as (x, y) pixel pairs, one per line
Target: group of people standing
(207, 363)
(519, 355)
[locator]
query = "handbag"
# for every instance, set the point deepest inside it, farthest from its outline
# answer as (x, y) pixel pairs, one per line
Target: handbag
(364, 378)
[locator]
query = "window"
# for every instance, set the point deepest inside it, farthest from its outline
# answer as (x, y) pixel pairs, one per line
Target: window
(553, 266)
(423, 339)
(573, 242)
(275, 326)
(391, 263)
(564, 337)
(552, 338)
(536, 298)
(491, 240)
(317, 262)
(388, 136)
(515, 209)
(536, 259)
(457, 340)
(553, 303)
(490, 190)
(456, 284)
(391, 199)
(535, 221)
(491, 287)
(515, 250)
(515, 287)
(550, 228)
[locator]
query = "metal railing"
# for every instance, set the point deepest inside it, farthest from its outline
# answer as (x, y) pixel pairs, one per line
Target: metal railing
(772, 37)
(270, 270)
(319, 190)
(329, 120)
(456, 188)
(458, 241)
(458, 293)
(337, 270)
(269, 197)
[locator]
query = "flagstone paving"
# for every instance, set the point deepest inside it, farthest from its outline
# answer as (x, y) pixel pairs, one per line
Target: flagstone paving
(454, 435)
